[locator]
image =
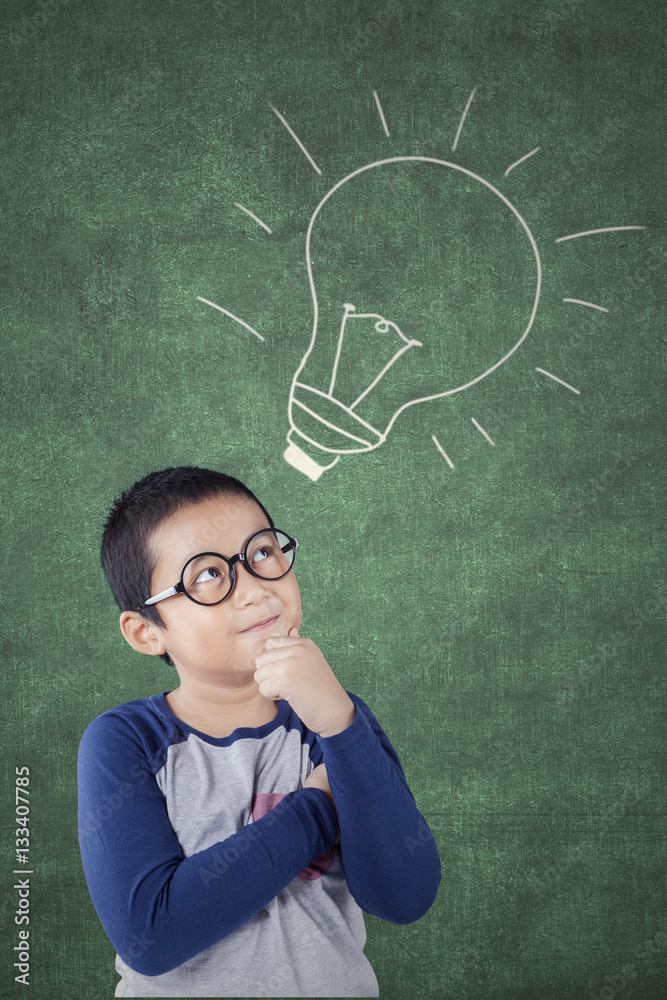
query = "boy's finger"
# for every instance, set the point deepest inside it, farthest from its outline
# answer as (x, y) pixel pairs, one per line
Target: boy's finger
(293, 633)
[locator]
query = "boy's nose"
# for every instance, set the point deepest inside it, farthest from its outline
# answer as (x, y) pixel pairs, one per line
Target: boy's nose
(250, 581)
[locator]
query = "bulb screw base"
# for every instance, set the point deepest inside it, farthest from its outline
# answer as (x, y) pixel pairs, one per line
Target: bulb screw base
(298, 459)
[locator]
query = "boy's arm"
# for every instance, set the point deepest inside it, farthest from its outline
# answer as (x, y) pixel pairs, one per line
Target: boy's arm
(389, 855)
(158, 908)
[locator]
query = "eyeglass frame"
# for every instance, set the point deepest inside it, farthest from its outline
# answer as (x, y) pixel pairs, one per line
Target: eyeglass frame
(179, 588)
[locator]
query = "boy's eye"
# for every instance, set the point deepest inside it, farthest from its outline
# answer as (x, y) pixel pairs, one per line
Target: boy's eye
(202, 578)
(264, 548)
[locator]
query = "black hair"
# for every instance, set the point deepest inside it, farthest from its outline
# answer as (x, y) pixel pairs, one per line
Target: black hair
(126, 556)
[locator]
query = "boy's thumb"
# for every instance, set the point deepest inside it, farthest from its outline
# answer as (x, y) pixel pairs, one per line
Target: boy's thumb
(295, 630)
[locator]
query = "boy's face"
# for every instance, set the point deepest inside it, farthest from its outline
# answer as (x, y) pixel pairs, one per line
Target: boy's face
(208, 642)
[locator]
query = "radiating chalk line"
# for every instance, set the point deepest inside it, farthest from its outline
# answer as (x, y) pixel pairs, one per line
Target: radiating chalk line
(295, 137)
(377, 101)
(558, 380)
(589, 232)
(437, 444)
(580, 302)
(248, 212)
(231, 315)
(532, 152)
(483, 432)
(463, 117)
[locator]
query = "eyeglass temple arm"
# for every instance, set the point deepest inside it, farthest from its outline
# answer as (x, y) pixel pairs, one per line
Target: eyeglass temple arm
(160, 597)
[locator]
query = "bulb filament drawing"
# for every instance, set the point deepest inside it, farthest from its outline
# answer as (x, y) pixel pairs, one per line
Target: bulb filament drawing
(353, 432)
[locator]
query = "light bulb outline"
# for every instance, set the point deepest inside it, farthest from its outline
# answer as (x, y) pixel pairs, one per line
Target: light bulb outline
(384, 434)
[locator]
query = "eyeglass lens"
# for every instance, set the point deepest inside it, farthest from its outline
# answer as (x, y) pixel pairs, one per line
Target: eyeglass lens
(207, 578)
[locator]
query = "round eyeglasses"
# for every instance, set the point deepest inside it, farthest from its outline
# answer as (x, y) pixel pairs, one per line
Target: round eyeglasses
(209, 578)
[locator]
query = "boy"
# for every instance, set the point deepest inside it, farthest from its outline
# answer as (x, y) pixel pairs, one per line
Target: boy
(233, 830)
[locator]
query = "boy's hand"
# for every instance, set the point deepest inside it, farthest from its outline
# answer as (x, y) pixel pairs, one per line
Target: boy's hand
(293, 669)
(318, 779)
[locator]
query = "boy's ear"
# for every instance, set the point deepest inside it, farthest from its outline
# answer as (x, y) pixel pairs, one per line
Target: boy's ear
(140, 635)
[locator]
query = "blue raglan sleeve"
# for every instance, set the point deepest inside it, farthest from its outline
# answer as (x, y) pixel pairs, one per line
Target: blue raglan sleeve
(389, 855)
(159, 908)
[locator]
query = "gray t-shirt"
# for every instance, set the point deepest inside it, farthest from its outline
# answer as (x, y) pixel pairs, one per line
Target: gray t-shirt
(214, 872)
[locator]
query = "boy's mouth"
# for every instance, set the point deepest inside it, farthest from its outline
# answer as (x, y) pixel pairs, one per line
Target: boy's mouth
(261, 625)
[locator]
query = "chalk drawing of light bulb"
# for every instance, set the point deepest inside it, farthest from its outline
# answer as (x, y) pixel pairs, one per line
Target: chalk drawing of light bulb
(427, 280)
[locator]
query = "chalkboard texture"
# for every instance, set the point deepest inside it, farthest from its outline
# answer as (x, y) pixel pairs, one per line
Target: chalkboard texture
(198, 270)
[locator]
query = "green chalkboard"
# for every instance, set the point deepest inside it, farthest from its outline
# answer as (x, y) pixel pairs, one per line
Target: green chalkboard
(397, 267)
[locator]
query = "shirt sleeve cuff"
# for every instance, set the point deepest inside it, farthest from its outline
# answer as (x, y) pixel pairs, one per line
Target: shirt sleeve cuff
(357, 732)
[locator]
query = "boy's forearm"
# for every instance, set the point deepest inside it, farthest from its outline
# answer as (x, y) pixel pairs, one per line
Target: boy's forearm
(210, 897)
(190, 903)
